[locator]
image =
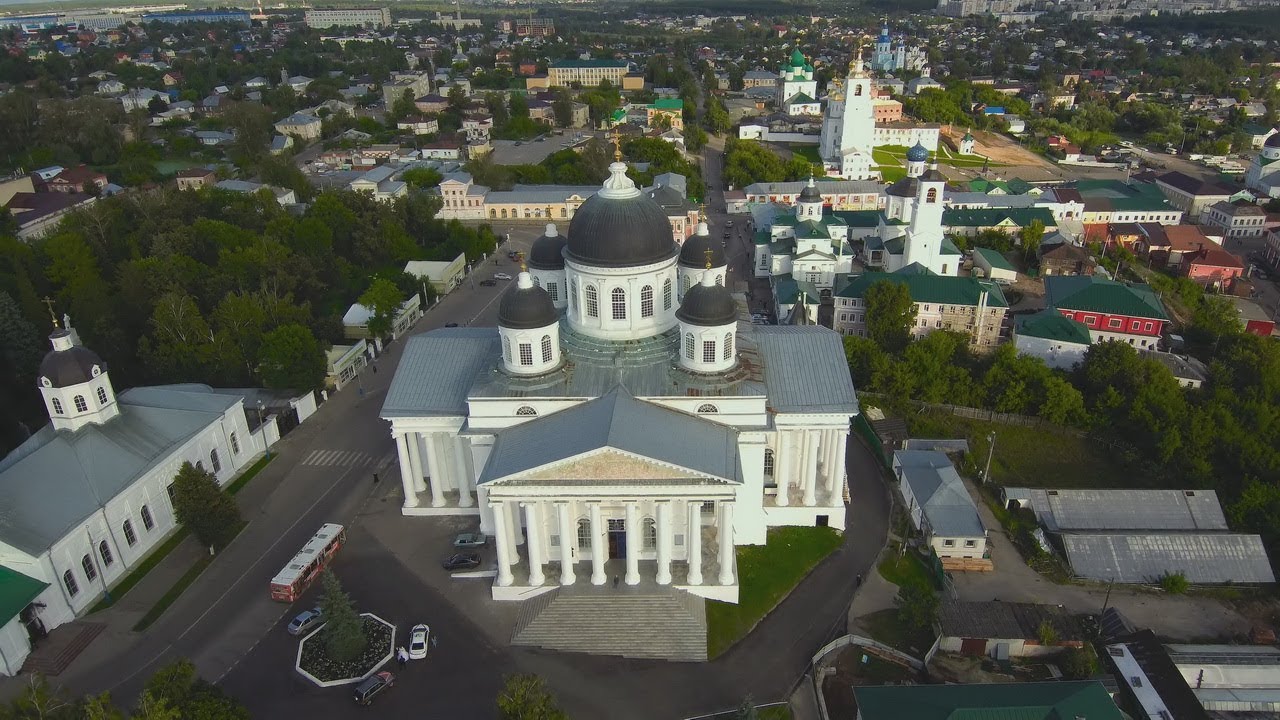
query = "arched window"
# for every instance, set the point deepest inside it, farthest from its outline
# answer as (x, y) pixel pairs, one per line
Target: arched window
(573, 294)
(536, 281)
(506, 348)
(546, 348)
(857, 90)
(90, 571)
(768, 463)
(129, 535)
(526, 353)
(147, 522)
(931, 196)
(619, 301)
(708, 351)
(666, 294)
(525, 411)
(69, 579)
(707, 409)
(102, 396)
(104, 551)
(649, 533)
(584, 534)
(646, 301)
(720, 279)
(81, 404)
(493, 213)
(728, 345)
(553, 291)
(684, 284)
(215, 461)
(235, 444)
(57, 406)
(593, 302)
(688, 346)
(504, 213)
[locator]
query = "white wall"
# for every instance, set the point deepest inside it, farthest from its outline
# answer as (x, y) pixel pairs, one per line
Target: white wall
(1054, 353)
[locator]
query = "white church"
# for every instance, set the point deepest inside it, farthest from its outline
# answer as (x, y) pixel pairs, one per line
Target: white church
(622, 426)
(87, 497)
(1263, 175)
(910, 229)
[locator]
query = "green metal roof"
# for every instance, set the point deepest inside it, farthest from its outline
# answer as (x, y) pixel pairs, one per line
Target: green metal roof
(995, 259)
(930, 288)
(588, 64)
(1051, 325)
(1097, 294)
(992, 217)
(1118, 195)
(668, 104)
(788, 289)
(859, 218)
(16, 592)
(797, 58)
(1063, 700)
(801, 99)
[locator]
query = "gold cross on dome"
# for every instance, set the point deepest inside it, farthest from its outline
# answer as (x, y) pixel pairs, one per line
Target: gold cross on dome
(617, 144)
(48, 301)
(707, 252)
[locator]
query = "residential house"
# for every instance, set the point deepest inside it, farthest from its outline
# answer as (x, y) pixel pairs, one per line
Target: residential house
(344, 363)
(994, 265)
(355, 322)
(298, 83)
(1057, 340)
(1003, 630)
(1111, 310)
(281, 144)
(442, 275)
(963, 304)
(667, 111)
(380, 183)
(477, 127)
(1214, 268)
(1236, 219)
(77, 180)
(304, 126)
(36, 213)
(1065, 258)
(416, 84)
(110, 87)
(442, 150)
(194, 178)
(1188, 371)
(939, 505)
(214, 138)
(140, 99)
(1050, 700)
(1253, 317)
(461, 197)
(283, 196)
(419, 125)
(1190, 195)
(1169, 244)
(431, 104)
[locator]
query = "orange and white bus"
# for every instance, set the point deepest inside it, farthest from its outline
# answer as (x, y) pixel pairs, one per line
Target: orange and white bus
(289, 584)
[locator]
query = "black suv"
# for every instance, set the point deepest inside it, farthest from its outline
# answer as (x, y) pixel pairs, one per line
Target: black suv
(372, 686)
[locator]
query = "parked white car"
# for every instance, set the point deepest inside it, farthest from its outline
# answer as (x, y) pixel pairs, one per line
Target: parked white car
(418, 638)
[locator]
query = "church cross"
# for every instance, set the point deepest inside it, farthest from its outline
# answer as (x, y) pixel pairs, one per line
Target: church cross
(48, 301)
(707, 252)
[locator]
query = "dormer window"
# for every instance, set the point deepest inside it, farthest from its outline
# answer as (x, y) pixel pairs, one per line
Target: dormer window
(57, 405)
(46, 382)
(96, 370)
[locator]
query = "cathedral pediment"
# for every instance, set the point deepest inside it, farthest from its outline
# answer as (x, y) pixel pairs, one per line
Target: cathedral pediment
(608, 466)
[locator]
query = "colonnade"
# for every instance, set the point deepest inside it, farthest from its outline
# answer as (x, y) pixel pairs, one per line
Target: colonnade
(803, 457)
(445, 458)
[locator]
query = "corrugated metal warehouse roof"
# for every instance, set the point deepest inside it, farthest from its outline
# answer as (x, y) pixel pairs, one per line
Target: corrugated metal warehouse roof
(1210, 558)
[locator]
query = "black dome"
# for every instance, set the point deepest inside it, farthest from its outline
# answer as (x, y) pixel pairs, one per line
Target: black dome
(810, 193)
(906, 187)
(620, 227)
(1273, 141)
(708, 306)
(71, 366)
(524, 308)
(546, 252)
(693, 253)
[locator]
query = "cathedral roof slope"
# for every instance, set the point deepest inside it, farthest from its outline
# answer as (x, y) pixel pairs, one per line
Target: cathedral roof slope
(619, 421)
(803, 370)
(438, 368)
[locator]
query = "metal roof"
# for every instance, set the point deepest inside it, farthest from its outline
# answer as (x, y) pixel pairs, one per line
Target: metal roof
(1097, 294)
(621, 422)
(1005, 620)
(1145, 558)
(436, 370)
(987, 701)
(940, 493)
(56, 479)
(1060, 510)
(16, 592)
(805, 369)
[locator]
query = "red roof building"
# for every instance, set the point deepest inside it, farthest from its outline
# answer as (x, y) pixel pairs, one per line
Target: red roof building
(1212, 267)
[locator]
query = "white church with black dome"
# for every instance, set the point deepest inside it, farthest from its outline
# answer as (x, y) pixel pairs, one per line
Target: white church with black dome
(622, 422)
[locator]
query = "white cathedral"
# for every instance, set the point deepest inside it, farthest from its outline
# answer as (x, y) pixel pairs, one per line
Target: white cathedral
(621, 423)
(1263, 175)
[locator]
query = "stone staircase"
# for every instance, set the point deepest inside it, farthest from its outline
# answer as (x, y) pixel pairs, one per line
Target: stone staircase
(53, 654)
(643, 622)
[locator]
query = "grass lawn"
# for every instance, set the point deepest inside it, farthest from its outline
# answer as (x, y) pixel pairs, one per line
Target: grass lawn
(891, 173)
(766, 574)
(172, 167)
(905, 569)
(1033, 457)
(238, 484)
(883, 625)
(808, 152)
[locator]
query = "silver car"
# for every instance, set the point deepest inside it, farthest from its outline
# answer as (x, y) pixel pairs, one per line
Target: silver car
(305, 620)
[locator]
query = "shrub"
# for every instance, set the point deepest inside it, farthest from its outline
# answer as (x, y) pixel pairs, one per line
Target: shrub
(1174, 583)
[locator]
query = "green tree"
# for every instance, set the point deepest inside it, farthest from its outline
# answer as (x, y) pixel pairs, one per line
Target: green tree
(383, 299)
(39, 700)
(404, 106)
(291, 358)
(1047, 633)
(421, 177)
(890, 315)
(562, 107)
(526, 697)
(1174, 583)
(181, 343)
(695, 138)
(176, 691)
(1079, 663)
(344, 637)
(917, 605)
(1031, 235)
(203, 507)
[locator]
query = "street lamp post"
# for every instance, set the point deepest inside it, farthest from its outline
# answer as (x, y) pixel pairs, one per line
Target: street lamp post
(991, 449)
(266, 448)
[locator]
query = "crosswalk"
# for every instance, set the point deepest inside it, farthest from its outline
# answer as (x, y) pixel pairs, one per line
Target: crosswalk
(337, 458)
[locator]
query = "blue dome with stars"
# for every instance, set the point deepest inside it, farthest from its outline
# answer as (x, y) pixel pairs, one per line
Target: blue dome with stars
(918, 153)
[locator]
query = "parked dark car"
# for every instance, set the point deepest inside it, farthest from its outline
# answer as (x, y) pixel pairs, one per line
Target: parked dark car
(462, 561)
(373, 686)
(451, 324)
(488, 283)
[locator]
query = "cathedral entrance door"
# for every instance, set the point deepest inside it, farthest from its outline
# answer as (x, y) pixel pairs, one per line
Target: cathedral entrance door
(617, 539)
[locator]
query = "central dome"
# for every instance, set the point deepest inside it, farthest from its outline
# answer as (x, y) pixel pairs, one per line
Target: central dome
(620, 226)
(69, 363)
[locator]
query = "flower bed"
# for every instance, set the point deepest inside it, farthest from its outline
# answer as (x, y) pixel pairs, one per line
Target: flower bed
(315, 664)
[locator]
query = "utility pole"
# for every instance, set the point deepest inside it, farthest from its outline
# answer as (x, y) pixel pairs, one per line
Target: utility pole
(1105, 601)
(991, 449)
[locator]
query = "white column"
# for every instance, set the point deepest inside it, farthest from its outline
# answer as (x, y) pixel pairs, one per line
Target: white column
(533, 539)
(693, 542)
(501, 540)
(781, 472)
(568, 539)
(842, 454)
(597, 547)
(434, 468)
(415, 462)
(460, 451)
(406, 472)
(810, 468)
(834, 461)
(633, 544)
(726, 542)
(664, 543)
